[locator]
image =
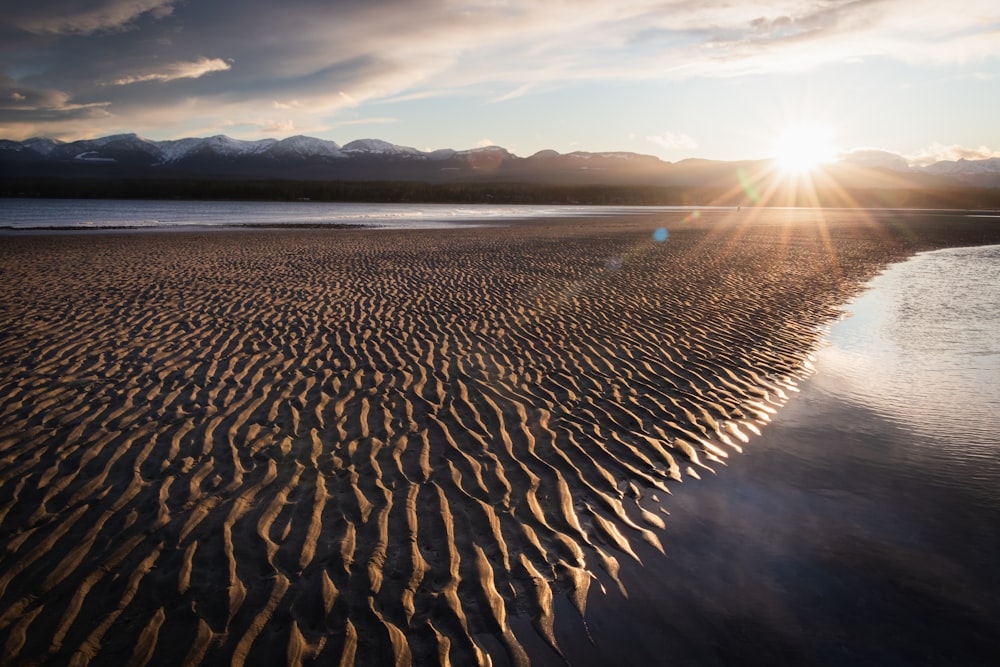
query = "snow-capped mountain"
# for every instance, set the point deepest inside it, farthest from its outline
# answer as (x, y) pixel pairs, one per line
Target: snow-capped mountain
(132, 149)
(308, 158)
(124, 148)
(306, 148)
(965, 167)
(128, 156)
(879, 159)
(42, 145)
(217, 146)
(485, 152)
(613, 155)
(379, 147)
(172, 151)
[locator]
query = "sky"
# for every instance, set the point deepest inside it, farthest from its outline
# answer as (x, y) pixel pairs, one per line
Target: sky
(717, 79)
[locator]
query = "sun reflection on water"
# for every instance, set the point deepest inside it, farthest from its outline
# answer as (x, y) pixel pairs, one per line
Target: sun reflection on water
(922, 349)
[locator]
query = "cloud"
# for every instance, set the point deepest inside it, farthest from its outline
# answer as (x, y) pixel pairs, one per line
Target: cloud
(17, 99)
(258, 127)
(273, 126)
(27, 112)
(365, 121)
(347, 98)
(183, 70)
(484, 143)
(310, 52)
(875, 158)
(673, 141)
(937, 152)
(80, 17)
(515, 93)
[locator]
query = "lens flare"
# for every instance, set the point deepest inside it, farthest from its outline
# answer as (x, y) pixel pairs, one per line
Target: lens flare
(749, 189)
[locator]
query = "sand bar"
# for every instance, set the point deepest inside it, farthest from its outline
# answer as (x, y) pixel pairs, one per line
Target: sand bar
(378, 447)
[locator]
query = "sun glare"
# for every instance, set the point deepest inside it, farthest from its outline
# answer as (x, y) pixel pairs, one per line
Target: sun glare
(802, 148)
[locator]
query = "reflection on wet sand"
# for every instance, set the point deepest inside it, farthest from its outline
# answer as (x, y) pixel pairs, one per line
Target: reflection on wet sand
(374, 448)
(848, 534)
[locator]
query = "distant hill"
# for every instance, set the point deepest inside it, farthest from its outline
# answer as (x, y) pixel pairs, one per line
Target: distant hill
(49, 167)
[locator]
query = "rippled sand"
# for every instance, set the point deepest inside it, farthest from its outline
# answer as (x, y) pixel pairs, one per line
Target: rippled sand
(377, 447)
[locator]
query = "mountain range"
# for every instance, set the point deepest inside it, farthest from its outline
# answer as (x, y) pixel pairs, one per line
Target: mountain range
(128, 156)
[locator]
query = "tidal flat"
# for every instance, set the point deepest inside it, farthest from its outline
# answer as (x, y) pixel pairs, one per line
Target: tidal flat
(434, 446)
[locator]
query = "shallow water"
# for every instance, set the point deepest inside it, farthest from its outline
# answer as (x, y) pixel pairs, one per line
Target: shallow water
(97, 214)
(863, 527)
(922, 349)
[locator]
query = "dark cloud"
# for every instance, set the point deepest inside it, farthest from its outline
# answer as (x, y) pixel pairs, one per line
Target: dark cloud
(65, 17)
(252, 51)
(32, 108)
(18, 98)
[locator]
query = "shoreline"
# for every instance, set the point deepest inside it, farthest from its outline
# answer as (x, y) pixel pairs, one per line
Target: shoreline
(389, 445)
(797, 555)
(545, 213)
(832, 540)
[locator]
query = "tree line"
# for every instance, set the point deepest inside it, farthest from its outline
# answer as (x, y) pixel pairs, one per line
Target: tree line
(483, 193)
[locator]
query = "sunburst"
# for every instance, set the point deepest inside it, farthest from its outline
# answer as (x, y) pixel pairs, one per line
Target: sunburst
(800, 149)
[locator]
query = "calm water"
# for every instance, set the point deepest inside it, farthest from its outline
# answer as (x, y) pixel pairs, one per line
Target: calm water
(922, 349)
(863, 528)
(48, 213)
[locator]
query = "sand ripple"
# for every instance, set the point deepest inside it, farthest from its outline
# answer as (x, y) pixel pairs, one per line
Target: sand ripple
(369, 448)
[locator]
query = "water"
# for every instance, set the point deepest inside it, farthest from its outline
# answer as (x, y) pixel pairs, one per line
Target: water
(863, 527)
(97, 214)
(922, 350)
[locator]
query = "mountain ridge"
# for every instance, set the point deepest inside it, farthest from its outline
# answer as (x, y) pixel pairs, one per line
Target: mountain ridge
(300, 157)
(172, 150)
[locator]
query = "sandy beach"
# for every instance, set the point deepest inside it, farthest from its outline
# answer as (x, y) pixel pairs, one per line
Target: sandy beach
(450, 446)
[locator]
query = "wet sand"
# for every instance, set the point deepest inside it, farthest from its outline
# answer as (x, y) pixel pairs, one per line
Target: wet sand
(826, 543)
(375, 447)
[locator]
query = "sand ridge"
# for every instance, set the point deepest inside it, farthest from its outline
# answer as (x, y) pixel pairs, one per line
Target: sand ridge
(370, 447)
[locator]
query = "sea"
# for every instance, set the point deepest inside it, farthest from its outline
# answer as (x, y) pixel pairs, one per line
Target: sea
(143, 214)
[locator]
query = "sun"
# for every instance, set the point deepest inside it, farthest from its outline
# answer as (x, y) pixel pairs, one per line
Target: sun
(800, 149)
